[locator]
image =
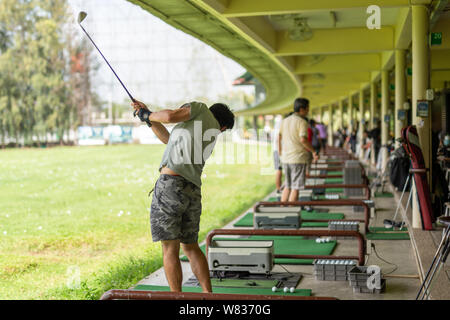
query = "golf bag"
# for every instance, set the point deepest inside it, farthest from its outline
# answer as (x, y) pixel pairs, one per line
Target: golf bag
(399, 169)
(410, 141)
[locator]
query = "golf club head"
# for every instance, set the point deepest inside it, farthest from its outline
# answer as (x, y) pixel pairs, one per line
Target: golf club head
(81, 16)
(388, 224)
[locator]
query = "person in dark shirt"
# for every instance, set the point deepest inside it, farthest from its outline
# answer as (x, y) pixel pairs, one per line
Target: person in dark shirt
(315, 138)
(375, 135)
(353, 140)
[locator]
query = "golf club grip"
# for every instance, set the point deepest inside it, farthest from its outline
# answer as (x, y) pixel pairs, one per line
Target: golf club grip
(131, 97)
(148, 122)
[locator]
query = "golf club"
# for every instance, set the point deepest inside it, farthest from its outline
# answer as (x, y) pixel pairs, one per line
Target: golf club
(81, 16)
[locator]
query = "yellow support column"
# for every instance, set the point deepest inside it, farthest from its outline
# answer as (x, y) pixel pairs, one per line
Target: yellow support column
(362, 110)
(420, 83)
(373, 104)
(350, 113)
(384, 112)
(341, 112)
(400, 92)
(317, 115)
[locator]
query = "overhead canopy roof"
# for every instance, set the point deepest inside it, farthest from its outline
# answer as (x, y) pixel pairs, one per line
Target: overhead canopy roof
(335, 55)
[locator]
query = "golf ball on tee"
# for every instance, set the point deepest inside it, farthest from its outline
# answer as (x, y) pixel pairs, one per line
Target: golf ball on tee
(285, 289)
(292, 290)
(274, 289)
(318, 240)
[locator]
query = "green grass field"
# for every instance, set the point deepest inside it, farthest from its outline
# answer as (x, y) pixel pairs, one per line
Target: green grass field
(74, 221)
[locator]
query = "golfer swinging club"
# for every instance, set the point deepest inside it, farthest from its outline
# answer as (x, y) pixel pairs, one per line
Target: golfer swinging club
(176, 203)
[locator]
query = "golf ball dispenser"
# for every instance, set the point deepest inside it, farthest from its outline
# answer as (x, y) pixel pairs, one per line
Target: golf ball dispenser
(254, 256)
(277, 217)
(314, 173)
(353, 175)
(343, 226)
(332, 270)
(314, 181)
(316, 191)
(319, 166)
(360, 278)
(305, 195)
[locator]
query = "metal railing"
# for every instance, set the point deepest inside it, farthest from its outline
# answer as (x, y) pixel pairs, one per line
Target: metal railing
(127, 294)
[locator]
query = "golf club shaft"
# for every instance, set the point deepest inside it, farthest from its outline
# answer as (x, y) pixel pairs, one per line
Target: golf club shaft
(404, 210)
(437, 254)
(401, 198)
(437, 269)
(131, 97)
(425, 291)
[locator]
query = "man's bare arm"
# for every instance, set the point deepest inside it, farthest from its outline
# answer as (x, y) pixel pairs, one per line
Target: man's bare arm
(308, 146)
(279, 144)
(166, 116)
(161, 132)
(171, 116)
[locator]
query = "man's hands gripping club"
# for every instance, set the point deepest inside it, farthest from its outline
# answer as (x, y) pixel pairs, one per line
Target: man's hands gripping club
(159, 117)
(141, 110)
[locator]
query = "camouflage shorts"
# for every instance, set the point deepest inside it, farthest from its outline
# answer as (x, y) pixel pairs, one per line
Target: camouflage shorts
(175, 210)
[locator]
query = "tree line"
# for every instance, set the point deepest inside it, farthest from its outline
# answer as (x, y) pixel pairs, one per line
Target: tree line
(45, 73)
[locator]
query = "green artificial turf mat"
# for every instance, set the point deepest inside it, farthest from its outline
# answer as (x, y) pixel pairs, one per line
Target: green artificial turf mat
(295, 245)
(247, 219)
(321, 215)
(314, 224)
(226, 290)
(375, 229)
(334, 180)
(243, 283)
(383, 195)
(273, 199)
(301, 247)
(334, 173)
(334, 190)
(387, 236)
